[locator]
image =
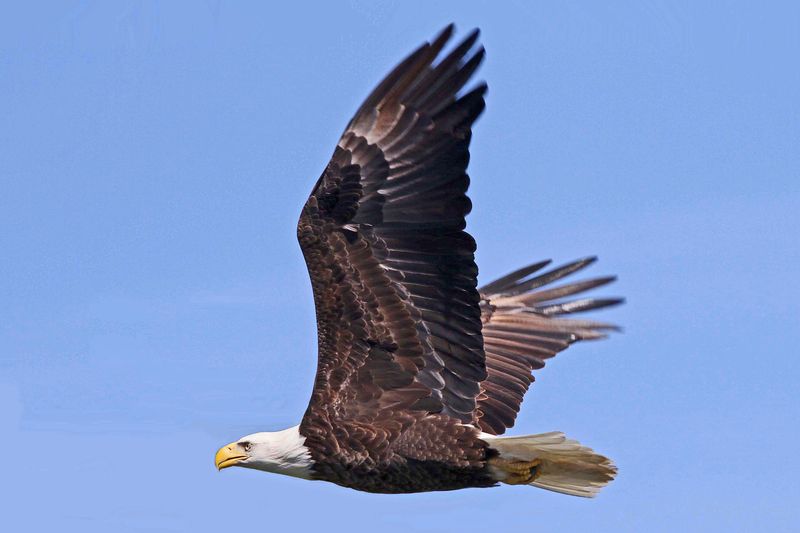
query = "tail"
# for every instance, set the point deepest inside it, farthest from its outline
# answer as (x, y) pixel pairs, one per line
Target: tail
(549, 461)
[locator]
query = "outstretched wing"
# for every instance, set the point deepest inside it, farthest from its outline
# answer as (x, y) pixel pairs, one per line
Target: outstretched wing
(522, 328)
(392, 269)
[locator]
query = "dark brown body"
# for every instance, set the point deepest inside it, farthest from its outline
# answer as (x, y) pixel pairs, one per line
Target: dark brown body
(419, 460)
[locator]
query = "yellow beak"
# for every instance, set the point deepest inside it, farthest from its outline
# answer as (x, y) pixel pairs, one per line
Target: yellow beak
(229, 455)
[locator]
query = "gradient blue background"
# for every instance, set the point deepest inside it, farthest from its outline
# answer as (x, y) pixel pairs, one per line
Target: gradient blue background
(154, 157)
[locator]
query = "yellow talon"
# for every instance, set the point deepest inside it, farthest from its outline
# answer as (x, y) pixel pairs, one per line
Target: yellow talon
(519, 472)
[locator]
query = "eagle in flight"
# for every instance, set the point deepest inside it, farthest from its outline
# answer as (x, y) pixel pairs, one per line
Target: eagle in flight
(419, 370)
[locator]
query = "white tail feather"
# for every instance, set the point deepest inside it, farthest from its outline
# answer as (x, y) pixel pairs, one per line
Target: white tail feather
(565, 465)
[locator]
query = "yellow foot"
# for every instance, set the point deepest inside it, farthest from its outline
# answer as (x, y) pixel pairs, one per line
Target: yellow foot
(517, 472)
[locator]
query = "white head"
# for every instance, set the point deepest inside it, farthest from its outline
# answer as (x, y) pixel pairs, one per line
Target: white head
(280, 452)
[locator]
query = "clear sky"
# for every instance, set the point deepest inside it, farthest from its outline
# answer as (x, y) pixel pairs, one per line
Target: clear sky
(154, 157)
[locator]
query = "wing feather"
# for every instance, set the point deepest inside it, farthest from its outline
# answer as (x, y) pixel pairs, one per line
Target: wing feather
(522, 329)
(392, 269)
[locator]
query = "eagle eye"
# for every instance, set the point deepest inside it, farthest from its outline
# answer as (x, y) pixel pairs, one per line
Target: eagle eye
(246, 445)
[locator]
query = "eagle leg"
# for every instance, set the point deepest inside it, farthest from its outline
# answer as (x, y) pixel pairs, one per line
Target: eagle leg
(517, 472)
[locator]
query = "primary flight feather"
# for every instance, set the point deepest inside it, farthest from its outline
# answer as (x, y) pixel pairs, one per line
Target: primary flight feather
(419, 370)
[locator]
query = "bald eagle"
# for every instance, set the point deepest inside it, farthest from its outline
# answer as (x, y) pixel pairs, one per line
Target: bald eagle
(419, 370)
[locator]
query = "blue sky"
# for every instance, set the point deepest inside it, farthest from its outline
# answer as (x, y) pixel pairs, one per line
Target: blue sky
(154, 158)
